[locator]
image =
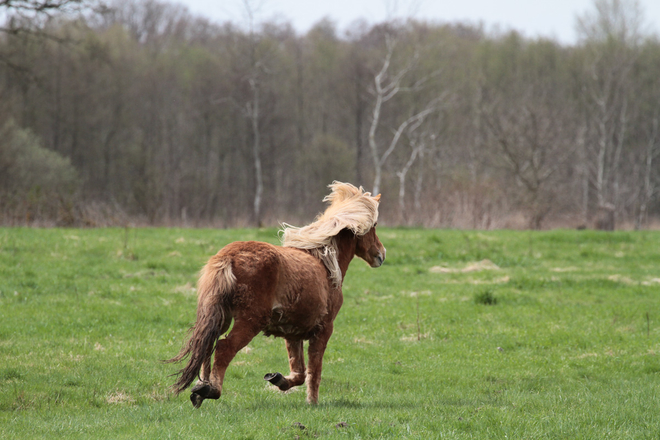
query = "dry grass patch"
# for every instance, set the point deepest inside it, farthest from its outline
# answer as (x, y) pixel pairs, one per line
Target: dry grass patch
(472, 267)
(120, 397)
(187, 289)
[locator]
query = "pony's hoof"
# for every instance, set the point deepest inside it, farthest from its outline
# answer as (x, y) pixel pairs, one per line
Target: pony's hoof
(196, 400)
(203, 391)
(278, 380)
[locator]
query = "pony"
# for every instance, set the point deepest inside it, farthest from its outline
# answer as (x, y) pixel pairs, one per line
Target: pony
(293, 291)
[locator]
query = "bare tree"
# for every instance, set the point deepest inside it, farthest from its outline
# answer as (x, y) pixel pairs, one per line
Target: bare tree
(253, 112)
(253, 108)
(386, 87)
(618, 20)
(534, 140)
(418, 145)
(649, 186)
(610, 35)
(36, 8)
(26, 18)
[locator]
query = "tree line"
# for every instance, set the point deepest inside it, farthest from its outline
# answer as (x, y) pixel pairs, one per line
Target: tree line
(140, 112)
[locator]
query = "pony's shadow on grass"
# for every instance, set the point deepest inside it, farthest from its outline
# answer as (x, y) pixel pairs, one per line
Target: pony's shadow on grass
(339, 403)
(373, 404)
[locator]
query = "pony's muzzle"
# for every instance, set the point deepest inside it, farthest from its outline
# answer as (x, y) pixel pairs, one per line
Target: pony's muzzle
(379, 259)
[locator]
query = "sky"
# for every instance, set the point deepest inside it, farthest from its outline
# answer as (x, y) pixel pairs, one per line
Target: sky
(532, 18)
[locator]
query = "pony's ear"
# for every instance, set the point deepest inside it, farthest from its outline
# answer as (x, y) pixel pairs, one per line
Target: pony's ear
(377, 198)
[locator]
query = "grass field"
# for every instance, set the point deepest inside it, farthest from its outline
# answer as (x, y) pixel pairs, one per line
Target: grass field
(458, 335)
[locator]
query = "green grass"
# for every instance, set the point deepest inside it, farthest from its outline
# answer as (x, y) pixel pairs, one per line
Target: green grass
(558, 337)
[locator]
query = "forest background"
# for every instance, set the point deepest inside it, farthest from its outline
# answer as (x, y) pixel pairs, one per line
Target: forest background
(137, 112)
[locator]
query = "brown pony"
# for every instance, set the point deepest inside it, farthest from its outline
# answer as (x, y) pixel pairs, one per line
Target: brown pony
(293, 292)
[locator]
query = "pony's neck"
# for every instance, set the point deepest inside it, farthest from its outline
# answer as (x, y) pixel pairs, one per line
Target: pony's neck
(345, 241)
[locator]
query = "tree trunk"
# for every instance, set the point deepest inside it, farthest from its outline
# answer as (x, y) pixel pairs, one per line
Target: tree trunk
(253, 113)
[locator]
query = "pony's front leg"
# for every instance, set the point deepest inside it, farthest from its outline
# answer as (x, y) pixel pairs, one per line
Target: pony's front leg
(210, 387)
(296, 364)
(316, 350)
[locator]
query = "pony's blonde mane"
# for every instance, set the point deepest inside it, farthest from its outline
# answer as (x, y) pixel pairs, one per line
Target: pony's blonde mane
(350, 208)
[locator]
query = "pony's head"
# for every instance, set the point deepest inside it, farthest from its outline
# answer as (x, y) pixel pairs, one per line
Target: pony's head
(350, 208)
(370, 249)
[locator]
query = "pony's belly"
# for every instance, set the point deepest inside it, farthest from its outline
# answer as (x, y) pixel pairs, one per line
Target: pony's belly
(292, 327)
(291, 332)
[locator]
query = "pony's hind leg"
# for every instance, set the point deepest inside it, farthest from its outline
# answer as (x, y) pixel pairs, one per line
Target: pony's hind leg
(202, 389)
(296, 364)
(205, 371)
(211, 385)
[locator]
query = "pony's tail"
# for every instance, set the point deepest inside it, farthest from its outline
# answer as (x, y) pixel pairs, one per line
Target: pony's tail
(214, 289)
